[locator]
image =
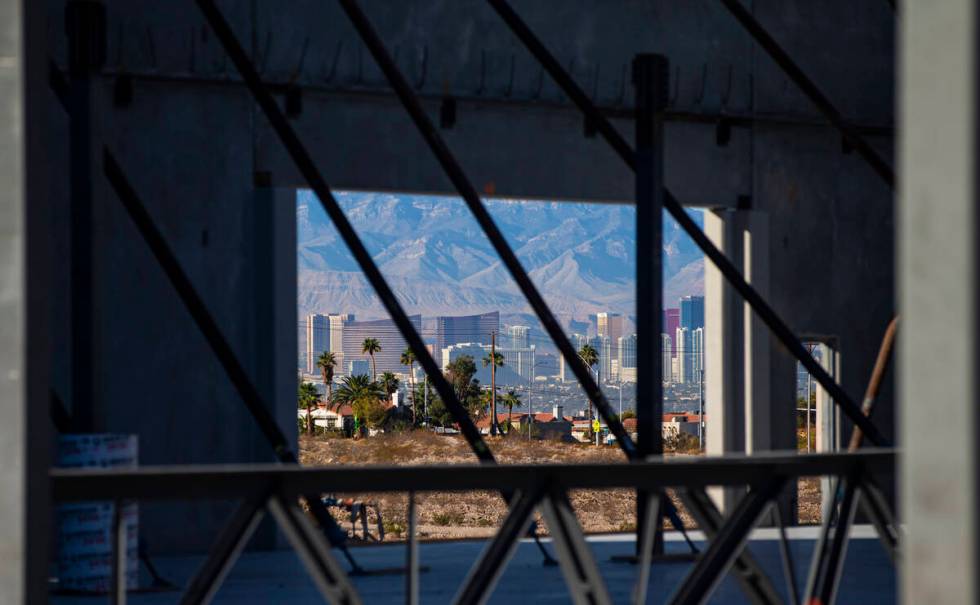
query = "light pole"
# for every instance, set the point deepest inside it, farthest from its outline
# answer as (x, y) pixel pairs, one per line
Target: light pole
(701, 410)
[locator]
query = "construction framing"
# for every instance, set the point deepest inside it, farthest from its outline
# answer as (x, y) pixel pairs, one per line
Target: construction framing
(275, 490)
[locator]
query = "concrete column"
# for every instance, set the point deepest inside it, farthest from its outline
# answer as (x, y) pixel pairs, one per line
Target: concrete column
(827, 423)
(273, 258)
(938, 301)
(24, 511)
(13, 427)
(737, 347)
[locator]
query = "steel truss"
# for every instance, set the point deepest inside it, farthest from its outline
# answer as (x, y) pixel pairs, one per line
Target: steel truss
(275, 488)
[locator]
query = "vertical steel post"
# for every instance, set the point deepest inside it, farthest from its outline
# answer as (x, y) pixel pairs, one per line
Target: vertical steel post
(85, 28)
(412, 556)
(650, 81)
(118, 536)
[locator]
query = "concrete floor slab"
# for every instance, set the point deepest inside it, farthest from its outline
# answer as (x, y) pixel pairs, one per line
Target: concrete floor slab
(278, 577)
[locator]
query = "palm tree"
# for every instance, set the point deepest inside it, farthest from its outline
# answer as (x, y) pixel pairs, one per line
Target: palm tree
(494, 360)
(327, 362)
(371, 346)
(363, 395)
(308, 397)
(591, 357)
(389, 384)
(408, 359)
(511, 400)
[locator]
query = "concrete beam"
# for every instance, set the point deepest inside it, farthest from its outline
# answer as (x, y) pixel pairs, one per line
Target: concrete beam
(938, 299)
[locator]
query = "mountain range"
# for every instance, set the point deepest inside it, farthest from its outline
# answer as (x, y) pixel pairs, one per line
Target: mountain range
(438, 261)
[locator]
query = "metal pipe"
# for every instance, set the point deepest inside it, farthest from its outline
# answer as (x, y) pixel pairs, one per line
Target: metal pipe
(780, 330)
(877, 379)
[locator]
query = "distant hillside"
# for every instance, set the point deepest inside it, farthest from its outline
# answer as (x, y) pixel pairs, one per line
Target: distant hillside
(581, 256)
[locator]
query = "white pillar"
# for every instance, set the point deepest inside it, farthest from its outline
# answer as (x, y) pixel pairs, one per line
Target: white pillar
(737, 343)
(827, 425)
(937, 277)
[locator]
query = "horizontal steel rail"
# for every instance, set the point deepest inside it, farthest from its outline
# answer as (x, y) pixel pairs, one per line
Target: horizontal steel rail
(187, 482)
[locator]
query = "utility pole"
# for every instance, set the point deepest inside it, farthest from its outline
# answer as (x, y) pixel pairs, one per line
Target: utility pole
(425, 401)
(530, 408)
(494, 429)
(620, 398)
(808, 381)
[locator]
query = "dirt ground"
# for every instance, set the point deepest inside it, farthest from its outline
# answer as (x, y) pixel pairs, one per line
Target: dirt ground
(459, 515)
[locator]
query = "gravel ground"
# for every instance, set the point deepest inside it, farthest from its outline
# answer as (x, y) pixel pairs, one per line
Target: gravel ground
(461, 515)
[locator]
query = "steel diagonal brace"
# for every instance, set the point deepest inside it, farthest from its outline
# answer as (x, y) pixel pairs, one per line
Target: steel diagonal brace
(485, 573)
(334, 585)
(829, 552)
(875, 505)
(727, 544)
(623, 149)
(225, 551)
(468, 192)
(755, 582)
(582, 576)
(304, 162)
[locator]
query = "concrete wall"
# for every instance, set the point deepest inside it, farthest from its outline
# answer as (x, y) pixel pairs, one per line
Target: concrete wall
(194, 146)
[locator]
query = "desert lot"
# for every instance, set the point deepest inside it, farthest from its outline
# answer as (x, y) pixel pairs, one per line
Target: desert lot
(456, 515)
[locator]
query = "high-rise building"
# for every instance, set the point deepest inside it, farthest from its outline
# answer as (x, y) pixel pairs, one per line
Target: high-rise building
(388, 336)
(317, 339)
(521, 360)
(337, 323)
(603, 347)
(565, 373)
(520, 337)
(609, 325)
(452, 330)
(672, 321)
(685, 367)
(518, 363)
(697, 346)
(692, 312)
(476, 350)
(666, 367)
(626, 351)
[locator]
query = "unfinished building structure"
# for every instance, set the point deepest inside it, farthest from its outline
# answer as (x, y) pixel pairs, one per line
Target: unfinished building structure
(151, 157)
